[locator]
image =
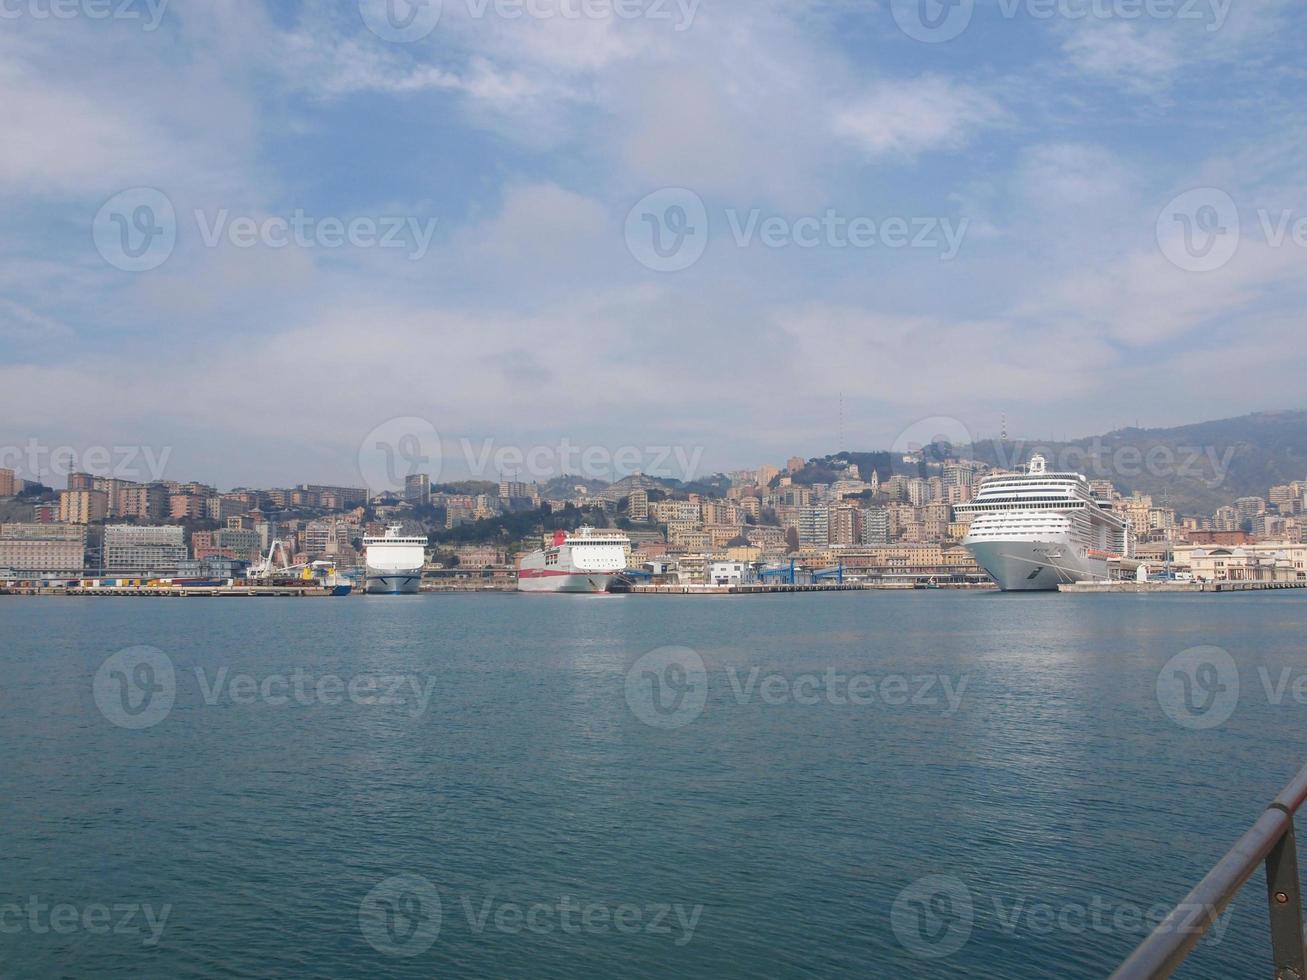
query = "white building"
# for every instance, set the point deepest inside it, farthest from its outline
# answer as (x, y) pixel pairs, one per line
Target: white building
(128, 548)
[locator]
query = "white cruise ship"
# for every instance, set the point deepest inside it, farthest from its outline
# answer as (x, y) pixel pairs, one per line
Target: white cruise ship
(394, 562)
(1036, 530)
(586, 561)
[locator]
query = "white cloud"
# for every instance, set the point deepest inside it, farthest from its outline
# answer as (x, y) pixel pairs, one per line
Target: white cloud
(904, 118)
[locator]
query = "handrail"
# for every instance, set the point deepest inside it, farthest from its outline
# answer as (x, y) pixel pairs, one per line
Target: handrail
(1270, 839)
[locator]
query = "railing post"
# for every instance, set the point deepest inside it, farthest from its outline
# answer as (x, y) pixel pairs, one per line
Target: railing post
(1284, 893)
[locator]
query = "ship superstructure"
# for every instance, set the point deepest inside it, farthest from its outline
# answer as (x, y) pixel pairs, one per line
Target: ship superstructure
(394, 562)
(1035, 530)
(587, 560)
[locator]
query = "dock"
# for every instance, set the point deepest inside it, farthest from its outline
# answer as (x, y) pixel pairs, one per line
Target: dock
(179, 592)
(1147, 587)
(759, 589)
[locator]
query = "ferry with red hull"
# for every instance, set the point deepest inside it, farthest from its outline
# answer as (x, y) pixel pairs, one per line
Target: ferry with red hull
(585, 561)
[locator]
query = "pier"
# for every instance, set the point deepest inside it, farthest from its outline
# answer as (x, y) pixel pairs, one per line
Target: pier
(759, 589)
(180, 592)
(1146, 587)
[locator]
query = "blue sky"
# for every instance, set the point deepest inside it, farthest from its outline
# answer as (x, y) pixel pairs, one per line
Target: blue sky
(1077, 213)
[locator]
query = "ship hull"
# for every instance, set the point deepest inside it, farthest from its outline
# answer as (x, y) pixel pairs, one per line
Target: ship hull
(1035, 566)
(393, 581)
(576, 583)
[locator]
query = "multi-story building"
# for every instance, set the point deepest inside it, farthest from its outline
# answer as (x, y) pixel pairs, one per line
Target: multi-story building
(8, 483)
(845, 525)
(148, 503)
(221, 508)
(324, 538)
(516, 489)
(691, 540)
(59, 549)
(1226, 519)
(83, 506)
(480, 556)
(1249, 507)
(417, 489)
(149, 548)
(1287, 499)
(637, 505)
(347, 496)
(672, 511)
(183, 506)
(81, 481)
(459, 512)
(814, 525)
(242, 544)
(875, 526)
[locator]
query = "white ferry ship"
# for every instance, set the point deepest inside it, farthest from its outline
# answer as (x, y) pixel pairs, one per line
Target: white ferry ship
(586, 561)
(1035, 530)
(394, 562)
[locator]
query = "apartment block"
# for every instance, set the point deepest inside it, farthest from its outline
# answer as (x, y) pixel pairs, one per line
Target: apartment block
(59, 549)
(143, 549)
(82, 506)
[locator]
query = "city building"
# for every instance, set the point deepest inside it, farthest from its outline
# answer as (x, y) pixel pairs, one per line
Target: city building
(813, 525)
(148, 548)
(83, 506)
(149, 503)
(417, 489)
(8, 483)
(875, 526)
(638, 505)
(58, 549)
(346, 496)
(184, 506)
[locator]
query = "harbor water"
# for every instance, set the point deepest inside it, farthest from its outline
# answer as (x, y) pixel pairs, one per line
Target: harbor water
(871, 784)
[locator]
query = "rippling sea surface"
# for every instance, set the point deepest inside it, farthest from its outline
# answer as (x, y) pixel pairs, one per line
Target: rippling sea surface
(844, 784)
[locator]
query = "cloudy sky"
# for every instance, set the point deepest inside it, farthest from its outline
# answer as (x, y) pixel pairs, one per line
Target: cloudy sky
(256, 236)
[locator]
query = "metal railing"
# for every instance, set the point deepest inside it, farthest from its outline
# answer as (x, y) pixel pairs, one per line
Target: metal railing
(1270, 839)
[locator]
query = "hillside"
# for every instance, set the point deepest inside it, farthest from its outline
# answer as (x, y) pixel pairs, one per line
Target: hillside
(1196, 468)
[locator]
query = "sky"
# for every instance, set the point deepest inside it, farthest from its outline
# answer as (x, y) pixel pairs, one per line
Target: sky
(266, 243)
